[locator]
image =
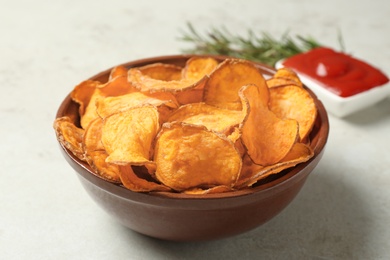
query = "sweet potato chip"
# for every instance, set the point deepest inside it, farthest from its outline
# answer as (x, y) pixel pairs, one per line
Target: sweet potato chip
(117, 86)
(267, 138)
(252, 173)
(299, 153)
(117, 71)
(70, 136)
(107, 171)
(161, 71)
(296, 103)
(222, 88)
(278, 82)
(189, 156)
(189, 96)
(110, 105)
(134, 183)
(95, 154)
(92, 136)
(213, 118)
(213, 190)
(90, 111)
(127, 136)
(145, 83)
(198, 67)
(82, 94)
(288, 74)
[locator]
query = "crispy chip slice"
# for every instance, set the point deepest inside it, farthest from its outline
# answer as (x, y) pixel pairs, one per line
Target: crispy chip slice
(189, 156)
(90, 111)
(82, 94)
(300, 152)
(213, 190)
(95, 153)
(189, 96)
(70, 136)
(117, 72)
(288, 74)
(252, 173)
(162, 71)
(266, 137)
(222, 88)
(117, 86)
(107, 171)
(111, 105)
(127, 136)
(296, 103)
(278, 82)
(145, 83)
(198, 67)
(89, 92)
(92, 136)
(134, 183)
(213, 118)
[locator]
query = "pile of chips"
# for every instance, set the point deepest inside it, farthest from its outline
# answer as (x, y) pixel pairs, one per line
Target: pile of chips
(206, 127)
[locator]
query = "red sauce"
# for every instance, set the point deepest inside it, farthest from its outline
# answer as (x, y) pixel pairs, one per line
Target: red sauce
(340, 73)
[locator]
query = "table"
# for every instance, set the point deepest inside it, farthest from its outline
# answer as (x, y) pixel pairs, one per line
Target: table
(47, 47)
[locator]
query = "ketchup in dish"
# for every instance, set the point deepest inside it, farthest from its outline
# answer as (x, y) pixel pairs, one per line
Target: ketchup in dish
(338, 72)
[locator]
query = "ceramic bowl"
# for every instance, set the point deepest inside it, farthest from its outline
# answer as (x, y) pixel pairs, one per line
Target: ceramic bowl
(181, 217)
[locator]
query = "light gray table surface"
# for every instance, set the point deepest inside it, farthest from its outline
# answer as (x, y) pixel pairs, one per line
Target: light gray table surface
(47, 47)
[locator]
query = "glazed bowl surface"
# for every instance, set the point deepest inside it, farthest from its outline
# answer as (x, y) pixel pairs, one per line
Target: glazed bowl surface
(185, 217)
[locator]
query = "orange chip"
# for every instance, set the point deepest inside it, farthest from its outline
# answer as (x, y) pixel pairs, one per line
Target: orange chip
(92, 136)
(90, 111)
(213, 190)
(70, 136)
(252, 173)
(134, 183)
(277, 82)
(189, 156)
(266, 137)
(222, 88)
(145, 83)
(189, 96)
(299, 153)
(117, 71)
(110, 105)
(288, 74)
(213, 118)
(89, 92)
(107, 171)
(161, 71)
(198, 67)
(82, 94)
(117, 86)
(127, 136)
(296, 103)
(95, 153)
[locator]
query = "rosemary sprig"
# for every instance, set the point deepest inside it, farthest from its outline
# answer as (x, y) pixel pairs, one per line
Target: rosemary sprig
(263, 48)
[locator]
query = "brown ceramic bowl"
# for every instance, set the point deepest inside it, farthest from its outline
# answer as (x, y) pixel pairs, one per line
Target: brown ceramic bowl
(181, 217)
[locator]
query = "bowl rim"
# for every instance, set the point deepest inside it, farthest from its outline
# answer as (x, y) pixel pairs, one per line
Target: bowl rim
(292, 175)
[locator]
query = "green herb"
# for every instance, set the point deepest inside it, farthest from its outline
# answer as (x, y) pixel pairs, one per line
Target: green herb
(263, 48)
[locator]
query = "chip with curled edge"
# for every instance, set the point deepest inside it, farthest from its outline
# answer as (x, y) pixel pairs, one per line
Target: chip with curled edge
(267, 138)
(191, 156)
(222, 89)
(127, 136)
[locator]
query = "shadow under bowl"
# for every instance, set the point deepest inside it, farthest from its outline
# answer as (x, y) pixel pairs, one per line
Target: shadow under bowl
(184, 217)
